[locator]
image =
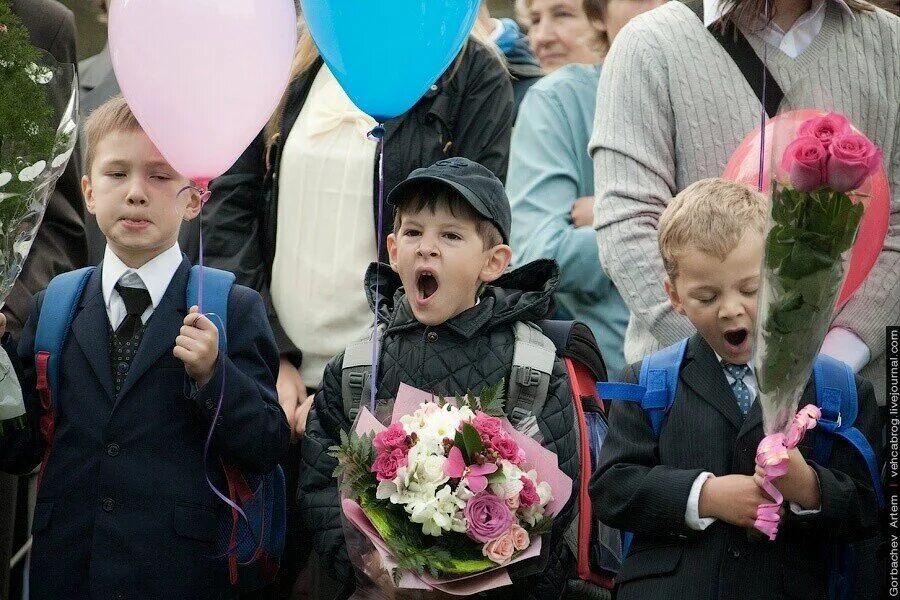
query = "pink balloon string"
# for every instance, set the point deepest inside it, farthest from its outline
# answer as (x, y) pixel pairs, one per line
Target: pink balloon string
(762, 115)
(773, 458)
(201, 187)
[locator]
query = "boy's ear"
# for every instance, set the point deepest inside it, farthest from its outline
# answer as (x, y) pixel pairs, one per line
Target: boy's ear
(392, 251)
(193, 206)
(674, 297)
(498, 259)
(87, 190)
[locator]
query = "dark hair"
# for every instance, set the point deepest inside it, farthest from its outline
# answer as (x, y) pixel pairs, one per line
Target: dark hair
(746, 12)
(433, 195)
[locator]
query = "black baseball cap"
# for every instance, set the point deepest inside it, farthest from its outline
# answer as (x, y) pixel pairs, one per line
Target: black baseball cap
(475, 183)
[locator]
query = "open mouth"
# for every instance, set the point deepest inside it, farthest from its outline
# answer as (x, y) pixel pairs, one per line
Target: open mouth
(736, 337)
(427, 285)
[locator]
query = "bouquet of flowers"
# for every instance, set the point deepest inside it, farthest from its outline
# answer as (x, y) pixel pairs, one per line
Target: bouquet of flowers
(38, 108)
(814, 222)
(449, 493)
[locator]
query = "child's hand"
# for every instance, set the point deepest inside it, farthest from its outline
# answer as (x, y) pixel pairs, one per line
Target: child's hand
(291, 392)
(2, 324)
(300, 416)
(198, 346)
(732, 498)
(799, 485)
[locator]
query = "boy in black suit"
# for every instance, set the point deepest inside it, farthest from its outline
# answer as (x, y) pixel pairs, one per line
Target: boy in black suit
(690, 495)
(124, 509)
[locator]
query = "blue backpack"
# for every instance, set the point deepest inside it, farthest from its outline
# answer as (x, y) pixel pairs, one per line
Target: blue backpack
(250, 546)
(836, 397)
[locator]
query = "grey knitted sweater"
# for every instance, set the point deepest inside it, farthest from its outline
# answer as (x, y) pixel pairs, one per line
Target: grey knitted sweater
(671, 108)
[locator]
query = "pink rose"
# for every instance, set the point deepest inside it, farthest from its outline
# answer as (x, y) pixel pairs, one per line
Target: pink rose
(487, 517)
(501, 549)
(804, 160)
(825, 128)
(520, 537)
(853, 158)
(386, 464)
(507, 448)
(391, 438)
(487, 425)
(529, 495)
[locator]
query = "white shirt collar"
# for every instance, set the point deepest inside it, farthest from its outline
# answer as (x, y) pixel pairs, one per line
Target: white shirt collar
(713, 10)
(156, 273)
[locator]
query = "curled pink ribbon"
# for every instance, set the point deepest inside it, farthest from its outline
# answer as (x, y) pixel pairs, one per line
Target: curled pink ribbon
(772, 456)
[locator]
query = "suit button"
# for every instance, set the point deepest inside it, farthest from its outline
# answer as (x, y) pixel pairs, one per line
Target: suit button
(432, 336)
(112, 450)
(122, 368)
(109, 504)
(734, 553)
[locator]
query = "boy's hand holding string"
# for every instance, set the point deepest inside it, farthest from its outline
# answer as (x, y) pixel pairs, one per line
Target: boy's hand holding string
(197, 346)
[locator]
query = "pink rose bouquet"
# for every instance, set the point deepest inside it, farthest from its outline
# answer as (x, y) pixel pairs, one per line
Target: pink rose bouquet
(814, 222)
(449, 490)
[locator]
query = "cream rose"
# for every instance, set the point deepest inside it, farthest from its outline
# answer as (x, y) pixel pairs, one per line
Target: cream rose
(500, 550)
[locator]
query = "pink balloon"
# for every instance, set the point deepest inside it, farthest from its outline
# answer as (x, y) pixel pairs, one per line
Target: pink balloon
(876, 194)
(202, 76)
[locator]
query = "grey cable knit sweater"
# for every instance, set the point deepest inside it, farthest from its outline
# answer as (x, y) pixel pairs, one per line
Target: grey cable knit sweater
(671, 108)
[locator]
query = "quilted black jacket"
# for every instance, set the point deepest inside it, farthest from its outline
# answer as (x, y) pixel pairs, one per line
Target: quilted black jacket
(471, 351)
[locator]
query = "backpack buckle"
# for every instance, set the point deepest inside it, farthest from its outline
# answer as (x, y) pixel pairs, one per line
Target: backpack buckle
(528, 377)
(518, 415)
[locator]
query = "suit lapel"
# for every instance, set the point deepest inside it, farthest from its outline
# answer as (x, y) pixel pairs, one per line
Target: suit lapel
(90, 329)
(703, 374)
(161, 329)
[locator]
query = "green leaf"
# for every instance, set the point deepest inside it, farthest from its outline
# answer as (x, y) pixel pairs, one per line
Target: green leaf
(491, 399)
(496, 477)
(472, 441)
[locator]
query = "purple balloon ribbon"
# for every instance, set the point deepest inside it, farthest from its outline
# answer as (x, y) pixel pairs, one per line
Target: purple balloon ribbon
(377, 134)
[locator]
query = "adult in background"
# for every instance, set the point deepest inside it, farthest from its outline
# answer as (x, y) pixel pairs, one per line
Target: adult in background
(673, 106)
(296, 216)
(551, 184)
(560, 32)
(523, 65)
(60, 244)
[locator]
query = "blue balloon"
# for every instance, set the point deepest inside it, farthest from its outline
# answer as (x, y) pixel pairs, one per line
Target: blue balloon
(387, 53)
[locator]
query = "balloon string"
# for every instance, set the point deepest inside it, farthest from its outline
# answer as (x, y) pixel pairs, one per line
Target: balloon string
(202, 188)
(377, 134)
(762, 113)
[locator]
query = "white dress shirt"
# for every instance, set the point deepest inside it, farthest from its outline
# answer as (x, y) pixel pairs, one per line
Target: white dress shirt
(793, 41)
(154, 276)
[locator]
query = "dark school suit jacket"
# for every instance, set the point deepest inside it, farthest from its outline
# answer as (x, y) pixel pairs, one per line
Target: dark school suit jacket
(124, 510)
(643, 485)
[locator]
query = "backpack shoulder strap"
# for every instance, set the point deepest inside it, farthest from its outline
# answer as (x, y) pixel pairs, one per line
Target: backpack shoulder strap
(657, 383)
(58, 309)
(529, 378)
(356, 372)
(836, 396)
(659, 375)
(216, 288)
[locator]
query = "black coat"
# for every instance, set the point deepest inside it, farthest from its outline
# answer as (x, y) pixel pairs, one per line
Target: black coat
(123, 510)
(471, 351)
(468, 112)
(642, 485)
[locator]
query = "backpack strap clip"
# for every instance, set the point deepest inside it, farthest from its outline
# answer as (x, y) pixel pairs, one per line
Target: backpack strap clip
(529, 379)
(356, 373)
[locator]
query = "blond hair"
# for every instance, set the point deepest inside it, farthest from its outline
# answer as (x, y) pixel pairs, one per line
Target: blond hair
(306, 55)
(711, 216)
(113, 116)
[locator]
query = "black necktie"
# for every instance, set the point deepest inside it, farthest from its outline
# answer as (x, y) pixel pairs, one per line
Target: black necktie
(136, 302)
